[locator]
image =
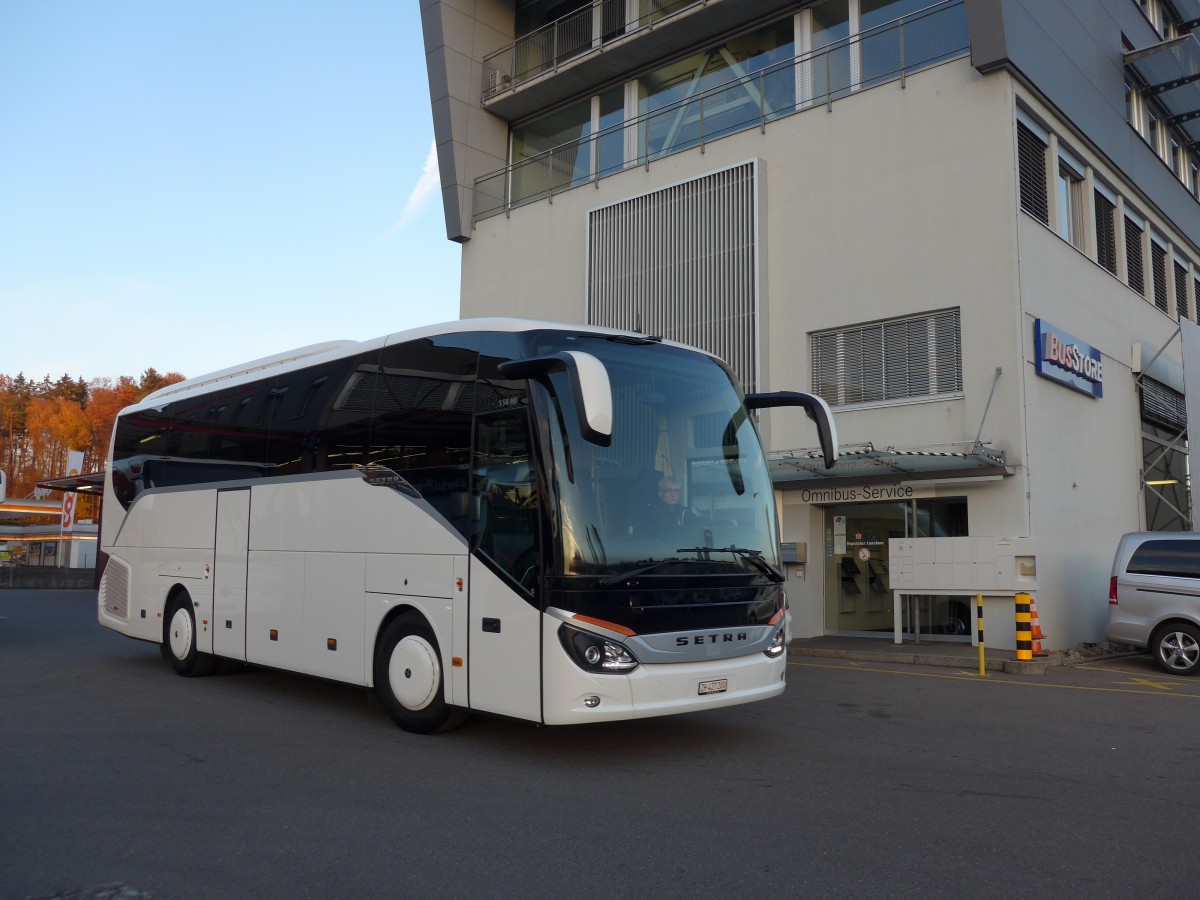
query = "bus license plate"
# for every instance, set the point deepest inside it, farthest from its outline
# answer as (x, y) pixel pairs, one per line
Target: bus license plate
(717, 686)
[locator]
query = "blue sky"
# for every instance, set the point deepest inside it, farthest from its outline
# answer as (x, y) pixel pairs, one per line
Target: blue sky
(192, 184)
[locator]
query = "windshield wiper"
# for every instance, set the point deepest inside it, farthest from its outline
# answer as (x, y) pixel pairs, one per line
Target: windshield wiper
(752, 556)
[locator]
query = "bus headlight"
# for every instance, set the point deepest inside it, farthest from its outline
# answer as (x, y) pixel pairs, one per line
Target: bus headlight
(777, 645)
(593, 653)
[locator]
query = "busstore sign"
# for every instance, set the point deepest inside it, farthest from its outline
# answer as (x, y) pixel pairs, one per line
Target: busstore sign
(1064, 358)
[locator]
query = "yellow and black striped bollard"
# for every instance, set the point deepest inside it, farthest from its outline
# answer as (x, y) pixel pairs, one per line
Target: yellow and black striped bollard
(979, 629)
(1024, 628)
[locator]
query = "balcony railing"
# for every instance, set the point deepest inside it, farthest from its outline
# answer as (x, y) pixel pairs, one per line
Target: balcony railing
(575, 34)
(886, 53)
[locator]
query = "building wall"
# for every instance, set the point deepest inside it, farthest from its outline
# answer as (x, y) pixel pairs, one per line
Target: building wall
(469, 141)
(904, 199)
(1071, 51)
(913, 211)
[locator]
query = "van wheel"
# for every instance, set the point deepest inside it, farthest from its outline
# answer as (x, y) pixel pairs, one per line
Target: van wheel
(409, 678)
(179, 639)
(1177, 648)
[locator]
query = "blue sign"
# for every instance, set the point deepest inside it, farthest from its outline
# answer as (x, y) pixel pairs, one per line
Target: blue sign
(1064, 358)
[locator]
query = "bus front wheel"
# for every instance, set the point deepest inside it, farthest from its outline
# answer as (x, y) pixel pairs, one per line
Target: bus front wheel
(409, 679)
(179, 638)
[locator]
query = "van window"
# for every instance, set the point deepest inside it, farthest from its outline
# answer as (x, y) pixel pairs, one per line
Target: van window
(1179, 559)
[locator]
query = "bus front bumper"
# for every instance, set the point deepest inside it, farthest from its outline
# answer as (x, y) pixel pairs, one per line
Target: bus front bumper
(659, 690)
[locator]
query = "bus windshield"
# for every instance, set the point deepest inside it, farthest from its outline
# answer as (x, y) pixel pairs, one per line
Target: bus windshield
(681, 489)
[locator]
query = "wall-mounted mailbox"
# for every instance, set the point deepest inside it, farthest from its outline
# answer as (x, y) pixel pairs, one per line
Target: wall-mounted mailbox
(793, 552)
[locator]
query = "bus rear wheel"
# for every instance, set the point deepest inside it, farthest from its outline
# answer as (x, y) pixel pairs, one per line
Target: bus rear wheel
(409, 678)
(179, 638)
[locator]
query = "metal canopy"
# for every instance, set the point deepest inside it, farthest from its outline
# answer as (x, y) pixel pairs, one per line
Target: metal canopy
(866, 465)
(1171, 71)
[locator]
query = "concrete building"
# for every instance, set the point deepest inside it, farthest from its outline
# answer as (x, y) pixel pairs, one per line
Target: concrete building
(971, 226)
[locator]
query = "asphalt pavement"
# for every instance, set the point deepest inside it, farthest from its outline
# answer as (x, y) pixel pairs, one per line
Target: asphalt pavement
(865, 778)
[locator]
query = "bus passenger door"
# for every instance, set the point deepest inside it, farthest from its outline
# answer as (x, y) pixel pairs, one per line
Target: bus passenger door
(229, 573)
(504, 672)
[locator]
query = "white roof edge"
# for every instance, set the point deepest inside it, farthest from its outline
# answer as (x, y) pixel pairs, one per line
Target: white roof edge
(335, 349)
(266, 362)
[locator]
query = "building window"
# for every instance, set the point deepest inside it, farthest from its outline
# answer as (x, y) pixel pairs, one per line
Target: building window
(1031, 164)
(1133, 256)
(1152, 132)
(1070, 205)
(1106, 233)
(916, 357)
(1158, 269)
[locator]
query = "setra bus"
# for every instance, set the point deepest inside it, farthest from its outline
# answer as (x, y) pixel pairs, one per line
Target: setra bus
(458, 517)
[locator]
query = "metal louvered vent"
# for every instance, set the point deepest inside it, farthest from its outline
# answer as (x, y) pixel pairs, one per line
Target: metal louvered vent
(1158, 273)
(1181, 308)
(915, 357)
(1158, 260)
(114, 589)
(1163, 405)
(1031, 163)
(1133, 255)
(682, 262)
(1106, 233)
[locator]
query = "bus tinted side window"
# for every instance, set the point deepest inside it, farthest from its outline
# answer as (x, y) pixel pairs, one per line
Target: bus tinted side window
(424, 396)
(235, 435)
(319, 418)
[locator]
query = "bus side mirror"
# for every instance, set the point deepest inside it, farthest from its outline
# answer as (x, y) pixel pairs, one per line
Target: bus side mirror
(3, 488)
(589, 382)
(818, 410)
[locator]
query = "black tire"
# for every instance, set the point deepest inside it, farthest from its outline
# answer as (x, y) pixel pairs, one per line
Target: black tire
(410, 679)
(179, 638)
(1176, 648)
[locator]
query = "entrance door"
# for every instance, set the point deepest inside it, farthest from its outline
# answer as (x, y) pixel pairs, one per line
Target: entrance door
(858, 593)
(229, 573)
(504, 670)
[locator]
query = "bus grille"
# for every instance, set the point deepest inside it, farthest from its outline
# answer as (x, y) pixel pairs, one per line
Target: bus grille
(114, 590)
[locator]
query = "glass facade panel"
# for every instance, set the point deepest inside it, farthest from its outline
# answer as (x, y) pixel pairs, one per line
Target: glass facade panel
(831, 70)
(552, 153)
(611, 135)
(1165, 479)
(881, 49)
(679, 115)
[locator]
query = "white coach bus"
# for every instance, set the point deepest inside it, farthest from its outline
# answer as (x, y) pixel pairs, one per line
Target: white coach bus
(459, 517)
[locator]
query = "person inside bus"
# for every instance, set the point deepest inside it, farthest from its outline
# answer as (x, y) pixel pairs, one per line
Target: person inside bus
(667, 512)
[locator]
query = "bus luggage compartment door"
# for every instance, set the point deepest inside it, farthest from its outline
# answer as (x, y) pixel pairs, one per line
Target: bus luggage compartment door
(229, 573)
(504, 666)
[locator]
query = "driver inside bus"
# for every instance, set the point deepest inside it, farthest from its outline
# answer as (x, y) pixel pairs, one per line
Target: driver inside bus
(667, 512)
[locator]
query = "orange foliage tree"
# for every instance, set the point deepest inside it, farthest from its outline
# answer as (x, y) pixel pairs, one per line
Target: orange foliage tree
(41, 421)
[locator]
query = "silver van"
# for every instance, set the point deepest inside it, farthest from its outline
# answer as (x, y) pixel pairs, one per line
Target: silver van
(1154, 597)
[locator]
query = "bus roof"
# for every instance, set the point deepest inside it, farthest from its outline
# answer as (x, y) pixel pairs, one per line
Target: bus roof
(304, 356)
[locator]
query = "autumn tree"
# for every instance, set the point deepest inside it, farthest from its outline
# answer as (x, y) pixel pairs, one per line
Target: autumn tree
(41, 420)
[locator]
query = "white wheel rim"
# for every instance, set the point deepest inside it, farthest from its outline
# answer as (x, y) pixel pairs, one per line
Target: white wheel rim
(181, 634)
(414, 673)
